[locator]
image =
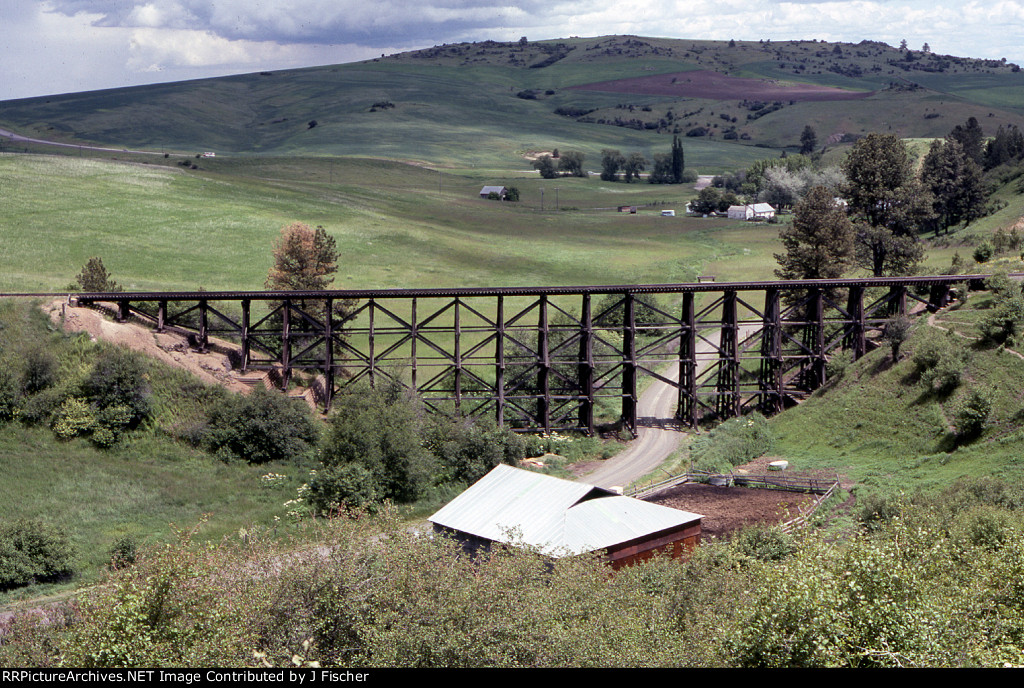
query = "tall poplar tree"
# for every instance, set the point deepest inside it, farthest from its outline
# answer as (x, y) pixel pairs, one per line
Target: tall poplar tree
(678, 161)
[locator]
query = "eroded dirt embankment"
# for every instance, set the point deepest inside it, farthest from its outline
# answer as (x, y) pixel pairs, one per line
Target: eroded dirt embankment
(213, 367)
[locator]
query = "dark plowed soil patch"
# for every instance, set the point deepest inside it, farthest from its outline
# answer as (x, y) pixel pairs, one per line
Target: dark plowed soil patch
(715, 86)
(726, 509)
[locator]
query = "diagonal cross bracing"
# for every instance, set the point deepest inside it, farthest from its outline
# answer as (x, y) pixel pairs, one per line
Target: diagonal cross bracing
(552, 357)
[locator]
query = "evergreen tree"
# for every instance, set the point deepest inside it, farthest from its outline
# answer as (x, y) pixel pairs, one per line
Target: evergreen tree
(972, 138)
(678, 160)
(304, 259)
(808, 139)
(1006, 146)
(956, 183)
(95, 278)
(819, 242)
(890, 203)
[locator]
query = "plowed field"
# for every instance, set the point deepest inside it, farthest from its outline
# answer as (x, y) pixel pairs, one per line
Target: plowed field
(715, 86)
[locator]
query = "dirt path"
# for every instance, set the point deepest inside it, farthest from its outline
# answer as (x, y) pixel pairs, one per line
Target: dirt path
(18, 138)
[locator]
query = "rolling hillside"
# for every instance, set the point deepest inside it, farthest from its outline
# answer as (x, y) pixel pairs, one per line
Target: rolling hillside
(483, 105)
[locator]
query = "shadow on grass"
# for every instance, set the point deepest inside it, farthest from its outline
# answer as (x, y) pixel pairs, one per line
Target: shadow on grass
(947, 444)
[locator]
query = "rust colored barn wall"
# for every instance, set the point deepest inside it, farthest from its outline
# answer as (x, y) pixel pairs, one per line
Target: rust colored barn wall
(676, 543)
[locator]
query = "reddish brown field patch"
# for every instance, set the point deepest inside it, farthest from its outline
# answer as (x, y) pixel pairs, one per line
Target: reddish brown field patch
(716, 86)
(726, 509)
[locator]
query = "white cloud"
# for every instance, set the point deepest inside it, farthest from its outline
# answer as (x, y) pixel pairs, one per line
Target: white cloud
(63, 45)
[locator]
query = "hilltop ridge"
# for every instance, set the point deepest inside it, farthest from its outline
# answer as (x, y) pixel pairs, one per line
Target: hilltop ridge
(440, 103)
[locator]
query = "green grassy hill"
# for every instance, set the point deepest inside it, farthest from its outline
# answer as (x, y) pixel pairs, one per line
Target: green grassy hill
(483, 105)
(888, 425)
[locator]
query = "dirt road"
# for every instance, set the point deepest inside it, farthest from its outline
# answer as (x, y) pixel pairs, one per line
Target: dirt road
(658, 433)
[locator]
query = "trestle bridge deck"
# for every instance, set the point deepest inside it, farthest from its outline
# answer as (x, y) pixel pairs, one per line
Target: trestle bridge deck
(545, 358)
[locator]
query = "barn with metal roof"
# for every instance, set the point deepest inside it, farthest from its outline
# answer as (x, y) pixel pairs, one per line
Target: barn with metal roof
(563, 518)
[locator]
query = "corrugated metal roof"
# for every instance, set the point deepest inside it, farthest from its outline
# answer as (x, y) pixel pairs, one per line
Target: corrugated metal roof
(557, 516)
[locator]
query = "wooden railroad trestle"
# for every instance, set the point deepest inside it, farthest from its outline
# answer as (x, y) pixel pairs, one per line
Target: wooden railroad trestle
(545, 358)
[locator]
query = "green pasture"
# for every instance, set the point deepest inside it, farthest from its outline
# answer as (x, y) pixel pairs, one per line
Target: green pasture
(136, 490)
(395, 225)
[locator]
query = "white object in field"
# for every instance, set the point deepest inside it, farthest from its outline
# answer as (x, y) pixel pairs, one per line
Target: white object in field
(778, 465)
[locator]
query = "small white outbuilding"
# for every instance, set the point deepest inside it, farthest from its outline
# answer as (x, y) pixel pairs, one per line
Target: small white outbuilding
(751, 211)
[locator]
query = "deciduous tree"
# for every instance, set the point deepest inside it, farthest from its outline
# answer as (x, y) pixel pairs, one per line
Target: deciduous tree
(571, 163)
(634, 165)
(547, 166)
(890, 203)
(611, 162)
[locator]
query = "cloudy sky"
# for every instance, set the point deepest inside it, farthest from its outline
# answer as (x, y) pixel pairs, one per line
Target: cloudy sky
(60, 46)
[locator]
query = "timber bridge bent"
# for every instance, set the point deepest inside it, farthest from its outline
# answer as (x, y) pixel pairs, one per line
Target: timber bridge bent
(553, 358)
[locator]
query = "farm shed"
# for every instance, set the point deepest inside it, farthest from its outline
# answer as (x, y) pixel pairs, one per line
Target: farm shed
(751, 211)
(562, 518)
(488, 190)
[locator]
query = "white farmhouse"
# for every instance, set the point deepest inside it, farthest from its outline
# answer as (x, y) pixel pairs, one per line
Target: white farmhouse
(751, 211)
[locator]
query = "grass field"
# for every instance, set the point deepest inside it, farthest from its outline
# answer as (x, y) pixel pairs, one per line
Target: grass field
(396, 225)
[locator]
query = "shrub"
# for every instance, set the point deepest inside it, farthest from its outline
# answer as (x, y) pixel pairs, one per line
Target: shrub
(983, 252)
(75, 417)
(940, 362)
(123, 552)
(469, 448)
(896, 332)
(264, 426)
(765, 544)
(1001, 285)
(1002, 323)
(972, 414)
(40, 408)
(31, 550)
(382, 429)
(876, 508)
(350, 486)
(984, 526)
(8, 395)
(40, 371)
(178, 606)
(118, 378)
(733, 442)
